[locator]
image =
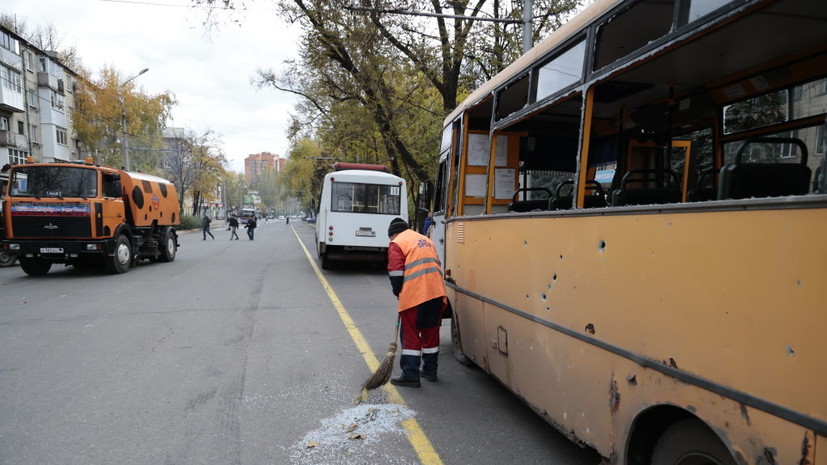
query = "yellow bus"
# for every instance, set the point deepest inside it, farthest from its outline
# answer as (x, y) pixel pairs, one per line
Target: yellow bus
(634, 221)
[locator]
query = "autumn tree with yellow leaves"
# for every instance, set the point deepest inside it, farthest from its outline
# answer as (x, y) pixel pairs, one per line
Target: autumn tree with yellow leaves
(97, 119)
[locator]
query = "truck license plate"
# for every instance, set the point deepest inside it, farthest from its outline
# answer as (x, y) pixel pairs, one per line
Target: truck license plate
(51, 250)
(365, 233)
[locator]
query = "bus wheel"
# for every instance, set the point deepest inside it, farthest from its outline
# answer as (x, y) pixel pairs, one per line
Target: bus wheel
(457, 345)
(35, 266)
(690, 442)
(325, 262)
(168, 246)
(120, 262)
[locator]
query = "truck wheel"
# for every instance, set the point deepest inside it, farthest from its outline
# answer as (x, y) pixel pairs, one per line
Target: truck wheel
(35, 266)
(690, 441)
(168, 246)
(120, 262)
(7, 259)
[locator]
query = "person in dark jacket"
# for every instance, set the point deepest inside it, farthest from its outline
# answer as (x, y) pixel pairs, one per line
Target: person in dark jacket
(205, 227)
(251, 227)
(233, 227)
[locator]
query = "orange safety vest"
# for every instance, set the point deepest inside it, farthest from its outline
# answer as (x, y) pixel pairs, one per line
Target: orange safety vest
(423, 273)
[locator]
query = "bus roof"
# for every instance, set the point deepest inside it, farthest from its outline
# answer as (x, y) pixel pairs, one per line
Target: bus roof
(529, 58)
(341, 166)
(363, 176)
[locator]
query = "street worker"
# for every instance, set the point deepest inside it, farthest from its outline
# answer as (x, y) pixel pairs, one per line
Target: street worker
(416, 279)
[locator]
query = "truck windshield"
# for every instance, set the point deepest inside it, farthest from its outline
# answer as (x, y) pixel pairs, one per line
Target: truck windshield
(53, 181)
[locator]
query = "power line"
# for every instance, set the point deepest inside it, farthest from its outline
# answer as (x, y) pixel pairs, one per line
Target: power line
(174, 5)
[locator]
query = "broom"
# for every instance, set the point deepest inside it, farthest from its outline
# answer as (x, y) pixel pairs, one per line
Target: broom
(383, 373)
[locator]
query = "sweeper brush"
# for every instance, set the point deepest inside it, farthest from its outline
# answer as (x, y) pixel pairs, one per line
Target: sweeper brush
(383, 373)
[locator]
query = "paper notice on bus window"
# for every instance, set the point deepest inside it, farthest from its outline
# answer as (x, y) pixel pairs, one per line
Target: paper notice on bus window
(475, 185)
(478, 149)
(501, 158)
(503, 184)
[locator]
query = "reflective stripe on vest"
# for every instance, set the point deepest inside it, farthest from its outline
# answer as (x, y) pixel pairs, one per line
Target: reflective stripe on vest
(423, 273)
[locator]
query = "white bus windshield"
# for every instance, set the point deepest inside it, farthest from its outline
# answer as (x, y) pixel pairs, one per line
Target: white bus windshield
(365, 198)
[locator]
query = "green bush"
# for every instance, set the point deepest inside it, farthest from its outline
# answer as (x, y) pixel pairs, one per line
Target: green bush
(190, 222)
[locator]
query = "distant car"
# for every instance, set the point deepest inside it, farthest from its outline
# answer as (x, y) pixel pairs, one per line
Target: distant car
(311, 219)
(281, 217)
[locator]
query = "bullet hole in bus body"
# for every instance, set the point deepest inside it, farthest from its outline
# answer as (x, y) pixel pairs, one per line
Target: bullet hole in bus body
(590, 329)
(671, 363)
(601, 246)
(632, 379)
(614, 396)
(790, 350)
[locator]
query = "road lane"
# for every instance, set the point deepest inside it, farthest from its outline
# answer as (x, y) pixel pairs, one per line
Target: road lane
(231, 354)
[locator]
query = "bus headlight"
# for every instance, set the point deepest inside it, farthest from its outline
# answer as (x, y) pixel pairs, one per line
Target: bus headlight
(14, 246)
(92, 247)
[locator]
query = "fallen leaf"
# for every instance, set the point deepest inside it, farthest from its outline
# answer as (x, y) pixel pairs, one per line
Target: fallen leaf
(357, 436)
(312, 444)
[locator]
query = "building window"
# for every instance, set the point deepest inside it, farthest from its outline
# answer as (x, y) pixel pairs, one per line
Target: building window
(21, 128)
(17, 157)
(9, 43)
(57, 101)
(33, 99)
(62, 139)
(4, 123)
(34, 133)
(11, 79)
(28, 58)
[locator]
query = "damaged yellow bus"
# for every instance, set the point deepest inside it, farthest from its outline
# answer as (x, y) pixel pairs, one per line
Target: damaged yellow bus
(634, 222)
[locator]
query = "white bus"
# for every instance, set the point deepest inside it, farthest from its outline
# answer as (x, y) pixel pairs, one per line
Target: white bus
(357, 204)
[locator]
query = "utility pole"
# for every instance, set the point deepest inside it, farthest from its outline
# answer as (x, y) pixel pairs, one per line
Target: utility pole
(123, 119)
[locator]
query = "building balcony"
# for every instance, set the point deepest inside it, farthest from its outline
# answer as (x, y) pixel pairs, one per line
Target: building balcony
(11, 100)
(13, 140)
(51, 81)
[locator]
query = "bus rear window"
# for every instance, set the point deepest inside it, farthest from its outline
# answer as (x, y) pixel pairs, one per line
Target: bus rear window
(365, 198)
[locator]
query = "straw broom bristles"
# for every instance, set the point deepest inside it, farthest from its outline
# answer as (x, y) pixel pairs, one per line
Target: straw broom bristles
(383, 373)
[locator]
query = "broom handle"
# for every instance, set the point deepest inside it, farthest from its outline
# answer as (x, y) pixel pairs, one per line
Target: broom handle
(396, 328)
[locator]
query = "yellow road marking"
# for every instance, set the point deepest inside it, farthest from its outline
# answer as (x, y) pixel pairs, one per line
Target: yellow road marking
(416, 436)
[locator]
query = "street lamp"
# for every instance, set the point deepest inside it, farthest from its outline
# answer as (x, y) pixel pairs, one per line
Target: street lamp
(123, 119)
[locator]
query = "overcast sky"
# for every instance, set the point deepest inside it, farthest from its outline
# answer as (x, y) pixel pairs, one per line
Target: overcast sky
(208, 71)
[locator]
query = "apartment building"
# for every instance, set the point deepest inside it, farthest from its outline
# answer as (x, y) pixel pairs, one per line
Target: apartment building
(36, 99)
(258, 163)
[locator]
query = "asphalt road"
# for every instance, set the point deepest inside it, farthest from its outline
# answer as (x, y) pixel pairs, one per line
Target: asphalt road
(236, 354)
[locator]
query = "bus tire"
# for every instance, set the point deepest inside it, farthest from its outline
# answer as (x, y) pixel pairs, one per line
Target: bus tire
(35, 266)
(122, 259)
(168, 246)
(690, 441)
(456, 342)
(325, 262)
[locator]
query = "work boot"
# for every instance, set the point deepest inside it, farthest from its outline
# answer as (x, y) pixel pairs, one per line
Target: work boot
(430, 362)
(400, 381)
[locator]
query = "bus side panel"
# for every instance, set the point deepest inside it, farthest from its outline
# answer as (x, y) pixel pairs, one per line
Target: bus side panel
(726, 297)
(470, 322)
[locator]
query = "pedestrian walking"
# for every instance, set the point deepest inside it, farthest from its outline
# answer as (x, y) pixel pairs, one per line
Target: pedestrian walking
(205, 227)
(251, 227)
(416, 279)
(288, 220)
(233, 222)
